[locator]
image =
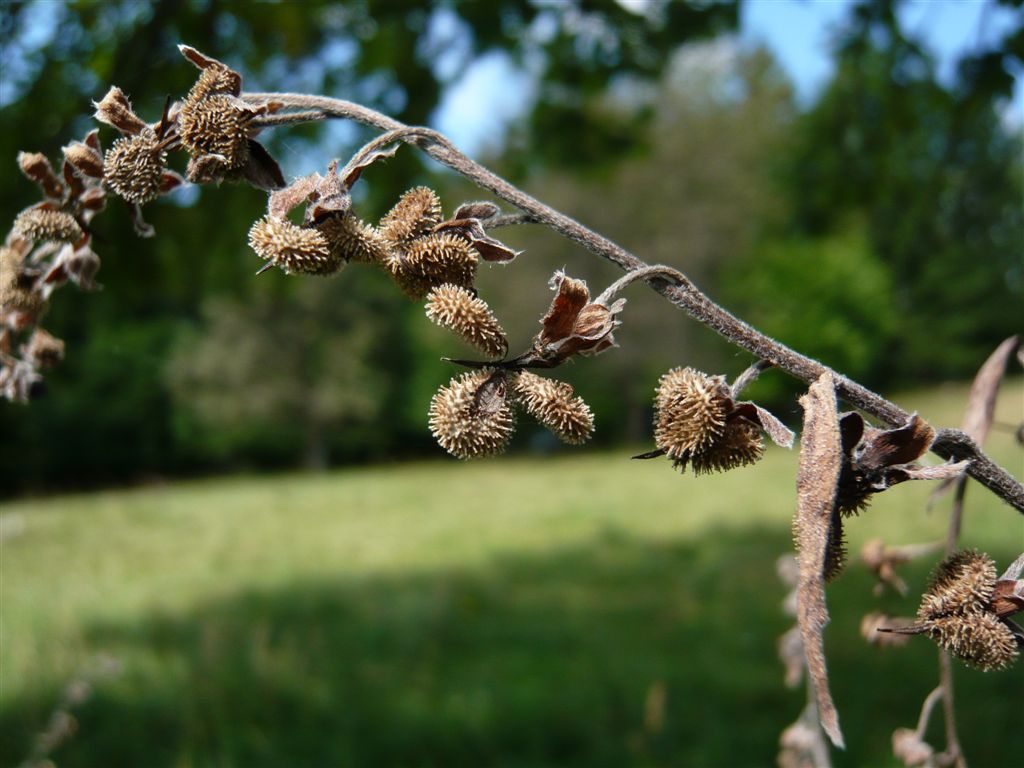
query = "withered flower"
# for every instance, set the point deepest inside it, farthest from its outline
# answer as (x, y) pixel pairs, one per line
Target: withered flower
(698, 423)
(77, 263)
(472, 417)
(457, 309)
(216, 127)
(552, 404)
(965, 611)
(135, 166)
(44, 349)
(573, 324)
(330, 235)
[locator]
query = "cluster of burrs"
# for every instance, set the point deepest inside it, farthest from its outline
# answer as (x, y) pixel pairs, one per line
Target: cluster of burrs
(699, 423)
(475, 414)
(49, 245)
(966, 610)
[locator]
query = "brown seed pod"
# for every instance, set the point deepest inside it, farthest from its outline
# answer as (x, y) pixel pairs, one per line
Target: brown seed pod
(216, 125)
(739, 444)
(15, 286)
(44, 349)
(962, 583)
(292, 248)
(471, 417)
(42, 224)
(216, 78)
(415, 214)
(353, 240)
(134, 166)
(84, 159)
(690, 412)
(553, 405)
(980, 639)
(434, 260)
(36, 167)
(458, 310)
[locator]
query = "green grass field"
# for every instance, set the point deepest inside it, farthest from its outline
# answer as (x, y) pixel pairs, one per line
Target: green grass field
(579, 609)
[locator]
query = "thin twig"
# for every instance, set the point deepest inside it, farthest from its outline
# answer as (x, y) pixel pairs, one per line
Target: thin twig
(950, 444)
(926, 712)
(644, 273)
(287, 118)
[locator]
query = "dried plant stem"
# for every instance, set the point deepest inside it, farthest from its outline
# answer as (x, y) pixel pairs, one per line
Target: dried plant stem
(950, 444)
(644, 273)
(819, 746)
(289, 118)
(926, 711)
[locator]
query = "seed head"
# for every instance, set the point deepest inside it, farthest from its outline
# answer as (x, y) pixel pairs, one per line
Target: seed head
(458, 310)
(42, 224)
(44, 349)
(553, 405)
(415, 214)
(739, 444)
(36, 167)
(292, 248)
(134, 167)
(353, 240)
(962, 583)
(216, 125)
(471, 417)
(980, 639)
(431, 261)
(15, 286)
(690, 412)
(216, 78)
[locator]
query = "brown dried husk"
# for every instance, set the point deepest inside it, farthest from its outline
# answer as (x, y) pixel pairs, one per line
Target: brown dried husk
(690, 412)
(216, 125)
(552, 404)
(351, 239)
(961, 583)
(134, 166)
(44, 349)
(15, 286)
(471, 417)
(458, 310)
(42, 224)
(980, 639)
(431, 261)
(415, 214)
(292, 248)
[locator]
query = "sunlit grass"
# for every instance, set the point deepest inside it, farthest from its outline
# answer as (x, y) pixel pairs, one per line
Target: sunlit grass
(510, 612)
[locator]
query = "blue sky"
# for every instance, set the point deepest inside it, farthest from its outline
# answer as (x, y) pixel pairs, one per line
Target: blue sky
(798, 32)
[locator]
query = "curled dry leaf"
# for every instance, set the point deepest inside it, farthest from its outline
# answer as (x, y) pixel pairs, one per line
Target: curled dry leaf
(817, 481)
(573, 325)
(981, 403)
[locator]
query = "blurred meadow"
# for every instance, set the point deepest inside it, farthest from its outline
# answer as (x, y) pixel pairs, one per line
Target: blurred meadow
(227, 537)
(575, 610)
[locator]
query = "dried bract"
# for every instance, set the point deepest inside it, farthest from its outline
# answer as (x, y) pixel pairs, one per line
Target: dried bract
(44, 349)
(573, 325)
(85, 159)
(471, 417)
(458, 310)
(115, 110)
(36, 167)
(553, 405)
(296, 250)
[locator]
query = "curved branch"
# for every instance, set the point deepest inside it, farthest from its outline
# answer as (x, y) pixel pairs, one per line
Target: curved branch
(950, 444)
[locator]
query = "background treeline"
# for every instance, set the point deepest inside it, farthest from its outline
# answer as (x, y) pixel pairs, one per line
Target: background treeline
(879, 228)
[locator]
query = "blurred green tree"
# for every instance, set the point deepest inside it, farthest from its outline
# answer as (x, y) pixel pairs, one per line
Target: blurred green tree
(936, 172)
(395, 55)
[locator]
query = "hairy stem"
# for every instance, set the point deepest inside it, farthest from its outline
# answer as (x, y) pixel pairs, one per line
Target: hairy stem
(950, 444)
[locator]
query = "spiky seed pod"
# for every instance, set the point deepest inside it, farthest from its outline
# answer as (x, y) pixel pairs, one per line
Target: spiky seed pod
(353, 240)
(292, 248)
(44, 349)
(134, 166)
(471, 417)
(739, 444)
(690, 412)
(415, 214)
(15, 287)
(215, 78)
(40, 224)
(552, 404)
(216, 125)
(980, 639)
(458, 310)
(835, 550)
(962, 583)
(430, 261)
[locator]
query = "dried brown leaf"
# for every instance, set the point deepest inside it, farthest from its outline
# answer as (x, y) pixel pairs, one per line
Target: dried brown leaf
(820, 462)
(981, 403)
(570, 298)
(478, 210)
(885, 448)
